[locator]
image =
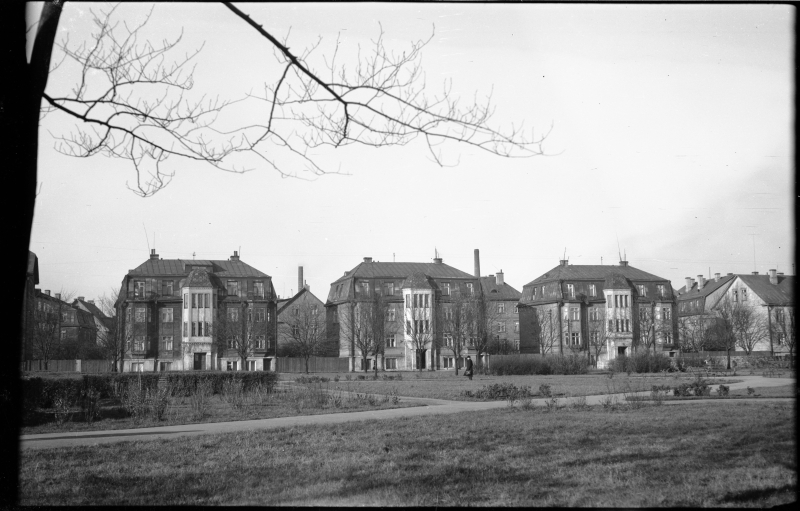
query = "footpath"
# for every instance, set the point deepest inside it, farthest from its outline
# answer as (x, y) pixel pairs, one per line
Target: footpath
(424, 406)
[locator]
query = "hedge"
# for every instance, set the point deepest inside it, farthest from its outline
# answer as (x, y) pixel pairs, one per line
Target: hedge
(643, 362)
(555, 364)
(39, 392)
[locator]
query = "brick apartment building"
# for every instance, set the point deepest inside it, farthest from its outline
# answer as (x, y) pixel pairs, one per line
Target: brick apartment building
(171, 310)
(60, 330)
(571, 308)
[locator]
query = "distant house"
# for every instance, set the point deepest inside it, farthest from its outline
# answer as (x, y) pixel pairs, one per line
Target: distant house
(770, 297)
(302, 311)
(503, 301)
(618, 308)
(172, 313)
(61, 331)
(101, 322)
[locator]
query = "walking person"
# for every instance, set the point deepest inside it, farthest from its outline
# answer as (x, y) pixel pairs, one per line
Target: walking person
(468, 368)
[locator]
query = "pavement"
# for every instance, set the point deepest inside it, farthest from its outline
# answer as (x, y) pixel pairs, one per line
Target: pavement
(425, 407)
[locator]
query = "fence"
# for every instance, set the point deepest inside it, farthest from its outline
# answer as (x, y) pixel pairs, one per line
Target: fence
(315, 365)
(67, 366)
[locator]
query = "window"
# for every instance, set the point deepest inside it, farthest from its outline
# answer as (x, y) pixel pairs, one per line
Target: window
(166, 342)
(295, 331)
(138, 289)
(501, 328)
(571, 290)
(391, 342)
(642, 314)
(141, 315)
(186, 301)
(575, 338)
(295, 311)
(448, 340)
(391, 315)
(261, 315)
(574, 313)
(661, 290)
(447, 362)
(533, 293)
(608, 301)
(388, 288)
(627, 325)
(408, 301)
(165, 366)
(251, 365)
(258, 289)
(261, 342)
(166, 316)
(207, 302)
(63, 333)
(594, 314)
(200, 329)
(185, 329)
(668, 337)
(137, 367)
(744, 294)
(592, 290)
(233, 287)
(194, 328)
(166, 287)
(779, 315)
(365, 288)
(390, 363)
(138, 343)
(642, 289)
(781, 339)
(516, 326)
(610, 325)
(594, 337)
(445, 288)
(425, 300)
(470, 288)
(735, 296)
(232, 365)
(516, 308)
(232, 342)
(501, 308)
(666, 313)
(233, 314)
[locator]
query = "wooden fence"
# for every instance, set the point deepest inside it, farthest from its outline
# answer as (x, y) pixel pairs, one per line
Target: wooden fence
(67, 366)
(315, 365)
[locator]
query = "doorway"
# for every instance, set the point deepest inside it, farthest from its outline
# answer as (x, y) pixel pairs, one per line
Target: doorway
(621, 350)
(199, 361)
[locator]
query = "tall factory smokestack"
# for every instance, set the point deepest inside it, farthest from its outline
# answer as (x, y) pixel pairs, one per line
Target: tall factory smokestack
(300, 280)
(477, 263)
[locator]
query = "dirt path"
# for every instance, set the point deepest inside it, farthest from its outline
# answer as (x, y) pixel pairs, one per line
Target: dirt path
(427, 407)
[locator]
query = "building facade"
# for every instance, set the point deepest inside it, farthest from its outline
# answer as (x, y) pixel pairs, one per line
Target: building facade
(177, 314)
(599, 311)
(61, 331)
(503, 304)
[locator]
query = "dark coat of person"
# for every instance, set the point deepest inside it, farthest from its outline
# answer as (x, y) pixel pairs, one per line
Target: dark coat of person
(468, 367)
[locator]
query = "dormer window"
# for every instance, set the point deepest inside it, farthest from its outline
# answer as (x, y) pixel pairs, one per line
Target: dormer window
(571, 290)
(258, 289)
(138, 289)
(233, 287)
(662, 291)
(445, 288)
(470, 289)
(365, 288)
(642, 289)
(592, 290)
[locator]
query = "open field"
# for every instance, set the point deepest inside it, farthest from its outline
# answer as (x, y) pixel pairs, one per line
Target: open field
(717, 455)
(446, 385)
(284, 402)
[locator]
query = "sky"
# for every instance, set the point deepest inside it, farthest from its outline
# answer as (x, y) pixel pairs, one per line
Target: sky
(671, 141)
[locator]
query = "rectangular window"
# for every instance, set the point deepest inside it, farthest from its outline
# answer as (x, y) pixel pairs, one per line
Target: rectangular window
(164, 366)
(137, 367)
(408, 327)
(295, 331)
(662, 290)
(194, 300)
(408, 301)
(501, 308)
(138, 289)
(642, 289)
(627, 325)
(388, 288)
(744, 294)
(501, 328)
(616, 300)
(594, 314)
(258, 289)
(516, 326)
(261, 342)
(571, 290)
(194, 328)
(390, 363)
(233, 314)
(232, 365)
(166, 316)
(625, 297)
(592, 290)
(735, 296)
(365, 288)
(575, 338)
(391, 342)
(425, 299)
(516, 308)
(448, 340)
(138, 343)
(594, 337)
(166, 287)
(391, 315)
(141, 315)
(447, 362)
(574, 313)
(445, 288)
(261, 315)
(666, 312)
(200, 328)
(186, 301)
(232, 287)
(448, 312)
(166, 342)
(251, 365)
(533, 293)
(608, 301)
(470, 288)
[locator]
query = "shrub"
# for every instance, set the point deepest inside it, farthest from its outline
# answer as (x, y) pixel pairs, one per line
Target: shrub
(497, 391)
(544, 390)
(643, 362)
(509, 365)
(314, 379)
(199, 400)
(723, 390)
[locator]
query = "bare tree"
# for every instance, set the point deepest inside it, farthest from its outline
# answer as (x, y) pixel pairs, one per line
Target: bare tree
(645, 327)
(486, 320)
(599, 333)
(241, 329)
(419, 325)
(750, 326)
(695, 332)
(459, 324)
(46, 332)
(545, 329)
(303, 333)
(782, 325)
(723, 329)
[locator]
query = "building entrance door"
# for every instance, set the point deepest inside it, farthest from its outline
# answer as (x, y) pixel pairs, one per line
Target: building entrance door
(199, 361)
(421, 359)
(621, 350)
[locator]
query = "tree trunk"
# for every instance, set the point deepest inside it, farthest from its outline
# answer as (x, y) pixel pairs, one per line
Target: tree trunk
(307, 364)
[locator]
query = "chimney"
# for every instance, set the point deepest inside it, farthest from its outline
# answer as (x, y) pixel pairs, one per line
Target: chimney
(773, 277)
(780, 274)
(562, 262)
(500, 278)
(47, 292)
(80, 299)
(623, 263)
(153, 255)
(688, 284)
(90, 301)
(235, 256)
(367, 259)
(700, 282)
(300, 280)
(437, 260)
(477, 263)
(729, 275)
(716, 277)
(755, 273)
(58, 296)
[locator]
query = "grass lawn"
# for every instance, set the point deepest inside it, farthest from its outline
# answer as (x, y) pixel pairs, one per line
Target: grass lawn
(287, 402)
(650, 456)
(446, 385)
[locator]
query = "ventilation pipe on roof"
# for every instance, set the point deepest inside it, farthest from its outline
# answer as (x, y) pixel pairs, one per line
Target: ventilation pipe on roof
(500, 278)
(773, 277)
(47, 292)
(623, 263)
(780, 274)
(437, 260)
(90, 301)
(716, 277)
(477, 263)
(563, 262)
(235, 256)
(300, 280)
(153, 255)
(755, 273)
(700, 282)
(80, 299)
(58, 296)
